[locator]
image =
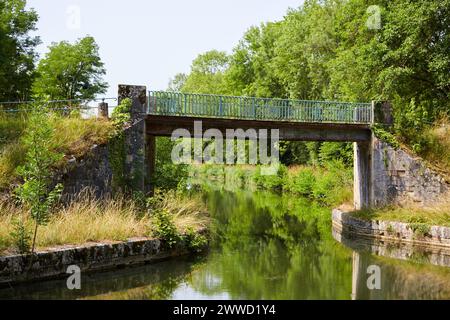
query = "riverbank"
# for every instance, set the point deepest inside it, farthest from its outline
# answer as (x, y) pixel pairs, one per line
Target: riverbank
(328, 185)
(415, 233)
(99, 235)
(88, 219)
(53, 263)
(437, 214)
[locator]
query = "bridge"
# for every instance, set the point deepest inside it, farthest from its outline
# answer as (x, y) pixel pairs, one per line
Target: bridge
(295, 119)
(159, 113)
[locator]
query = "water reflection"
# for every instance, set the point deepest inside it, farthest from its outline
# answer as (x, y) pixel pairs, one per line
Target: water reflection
(265, 246)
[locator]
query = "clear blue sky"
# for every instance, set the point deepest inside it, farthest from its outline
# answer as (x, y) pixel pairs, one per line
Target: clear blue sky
(147, 42)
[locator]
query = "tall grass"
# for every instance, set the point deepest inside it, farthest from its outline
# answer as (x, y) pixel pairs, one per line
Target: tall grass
(90, 220)
(435, 145)
(73, 136)
(437, 214)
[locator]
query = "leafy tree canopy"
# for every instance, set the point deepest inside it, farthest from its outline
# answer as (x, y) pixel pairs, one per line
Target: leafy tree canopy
(71, 71)
(17, 49)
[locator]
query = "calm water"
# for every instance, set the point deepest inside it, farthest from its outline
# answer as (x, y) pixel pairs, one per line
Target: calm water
(265, 246)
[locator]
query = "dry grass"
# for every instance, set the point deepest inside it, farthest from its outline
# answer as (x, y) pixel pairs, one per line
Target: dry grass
(90, 220)
(187, 212)
(438, 214)
(73, 137)
(437, 150)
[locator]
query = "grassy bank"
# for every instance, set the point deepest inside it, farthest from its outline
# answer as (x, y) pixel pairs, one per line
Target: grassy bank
(438, 214)
(91, 220)
(434, 146)
(328, 185)
(73, 136)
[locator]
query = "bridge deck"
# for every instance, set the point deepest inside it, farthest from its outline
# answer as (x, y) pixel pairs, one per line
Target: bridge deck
(162, 125)
(259, 109)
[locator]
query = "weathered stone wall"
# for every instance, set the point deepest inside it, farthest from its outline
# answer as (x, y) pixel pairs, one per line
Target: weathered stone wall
(135, 162)
(391, 231)
(397, 177)
(53, 263)
(93, 171)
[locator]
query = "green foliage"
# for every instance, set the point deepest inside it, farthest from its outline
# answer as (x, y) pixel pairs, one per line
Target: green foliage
(120, 116)
(35, 193)
(176, 84)
(324, 50)
(122, 113)
(194, 241)
(303, 183)
(420, 229)
(17, 49)
(207, 73)
(419, 226)
(328, 185)
(21, 235)
(167, 174)
(386, 136)
(164, 228)
(71, 71)
(272, 182)
(336, 151)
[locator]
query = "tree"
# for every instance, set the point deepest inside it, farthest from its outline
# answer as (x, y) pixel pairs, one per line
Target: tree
(207, 73)
(17, 49)
(176, 84)
(35, 193)
(251, 69)
(71, 71)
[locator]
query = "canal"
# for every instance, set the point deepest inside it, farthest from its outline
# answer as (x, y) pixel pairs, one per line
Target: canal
(264, 246)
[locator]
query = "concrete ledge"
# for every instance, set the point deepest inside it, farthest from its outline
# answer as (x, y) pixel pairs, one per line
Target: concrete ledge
(53, 263)
(401, 251)
(390, 231)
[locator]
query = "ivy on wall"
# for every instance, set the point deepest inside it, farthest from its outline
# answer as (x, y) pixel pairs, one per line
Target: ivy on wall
(120, 116)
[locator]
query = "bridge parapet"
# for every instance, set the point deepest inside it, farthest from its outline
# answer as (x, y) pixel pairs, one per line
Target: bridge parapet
(253, 108)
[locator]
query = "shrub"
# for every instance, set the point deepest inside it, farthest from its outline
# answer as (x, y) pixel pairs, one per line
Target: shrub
(304, 182)
(324, 189)
(21, 235)
(194, 241)
(164, 228)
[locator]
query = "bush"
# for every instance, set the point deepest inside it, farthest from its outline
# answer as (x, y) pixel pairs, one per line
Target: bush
(194, 241)
(164, 228)
(304, 182)
(21, 235)
(325, 188)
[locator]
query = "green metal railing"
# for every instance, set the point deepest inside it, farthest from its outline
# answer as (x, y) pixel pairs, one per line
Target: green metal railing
(251, 108)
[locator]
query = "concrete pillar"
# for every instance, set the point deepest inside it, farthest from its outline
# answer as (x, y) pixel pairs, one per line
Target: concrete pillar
(135, 142)
(103, 110)
(362, 175)
(355, 275)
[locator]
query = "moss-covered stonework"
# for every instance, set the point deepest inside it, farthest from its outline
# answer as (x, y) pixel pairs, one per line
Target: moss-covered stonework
(53, 263)
(435, 236)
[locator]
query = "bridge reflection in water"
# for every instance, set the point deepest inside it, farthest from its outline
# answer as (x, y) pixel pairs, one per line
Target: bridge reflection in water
(409, 271)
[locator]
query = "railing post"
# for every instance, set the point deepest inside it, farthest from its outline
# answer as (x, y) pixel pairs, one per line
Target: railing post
(372, 113)
(103, 110)
(254, 107)
(220, 106)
